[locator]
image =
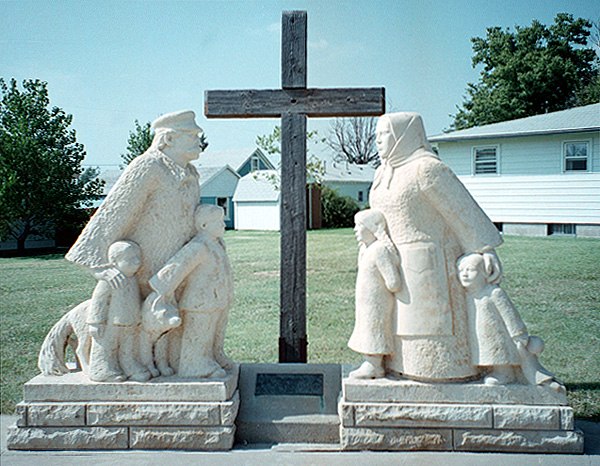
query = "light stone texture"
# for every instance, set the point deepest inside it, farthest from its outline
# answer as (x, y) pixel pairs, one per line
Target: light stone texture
(299, 429)
(406, 439)
(76, 386)
(67, 438)
(55, 414)
(422, 415)
(567, 418)
(182, 438)
(526, 417)
(153, 414)
(202, 264)
(421, 200)
(346, 411)
(178, 259)
(518, 441)
(164, 414)
(21, 412)
(388, 390)
(230, 409)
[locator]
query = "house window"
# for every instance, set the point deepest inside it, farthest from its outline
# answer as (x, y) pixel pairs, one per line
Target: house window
(254, 163)
(485, 160)
(562, 229)
(223, 202)
(575, 156)
(360, 196)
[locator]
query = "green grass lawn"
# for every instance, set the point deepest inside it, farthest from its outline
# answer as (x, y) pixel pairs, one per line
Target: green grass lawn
(554, 282)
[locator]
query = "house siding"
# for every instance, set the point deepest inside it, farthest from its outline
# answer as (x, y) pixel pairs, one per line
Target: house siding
(257, 215)
(525, 155)
(351, 189)
(573, 198)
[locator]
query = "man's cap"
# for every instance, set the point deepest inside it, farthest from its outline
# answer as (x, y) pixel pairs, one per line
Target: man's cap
(183, 120)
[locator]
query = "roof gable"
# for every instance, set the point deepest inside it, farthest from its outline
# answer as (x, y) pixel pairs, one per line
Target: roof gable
(235, 158)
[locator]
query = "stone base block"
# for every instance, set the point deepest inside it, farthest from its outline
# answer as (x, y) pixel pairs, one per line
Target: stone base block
(172, 414)
(381, 438)
(68, 438)
(182, 438)
(404, 415)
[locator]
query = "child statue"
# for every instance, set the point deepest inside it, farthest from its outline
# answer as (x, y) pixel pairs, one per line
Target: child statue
(207, 298)
(499, 341)
(377, 281)
(113, 317)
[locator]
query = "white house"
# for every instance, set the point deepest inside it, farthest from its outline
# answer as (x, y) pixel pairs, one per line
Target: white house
(256, 202)
(350, 180)
(536, 176)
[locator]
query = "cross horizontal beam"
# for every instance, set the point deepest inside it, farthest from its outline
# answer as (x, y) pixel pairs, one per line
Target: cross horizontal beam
(310, 102)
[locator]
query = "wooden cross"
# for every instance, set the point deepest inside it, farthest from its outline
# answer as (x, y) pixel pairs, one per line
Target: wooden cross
(294, 102)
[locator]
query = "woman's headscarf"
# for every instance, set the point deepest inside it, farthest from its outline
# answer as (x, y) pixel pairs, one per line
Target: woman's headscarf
(411, 142)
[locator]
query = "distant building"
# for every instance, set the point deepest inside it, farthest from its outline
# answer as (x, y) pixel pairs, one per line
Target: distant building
(256, 202)
(350, 180)
(217, 186)
(534, 176)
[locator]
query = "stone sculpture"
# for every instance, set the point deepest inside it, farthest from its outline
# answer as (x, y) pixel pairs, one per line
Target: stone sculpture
(207, 297)
(113, 316)
(432, 220)
(449, 363)
(499, 341)
(377, 282)
(142, 230)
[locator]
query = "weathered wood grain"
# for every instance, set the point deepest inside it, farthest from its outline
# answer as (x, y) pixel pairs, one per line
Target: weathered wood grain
(293, 49)
(293, 239)
(269, 103)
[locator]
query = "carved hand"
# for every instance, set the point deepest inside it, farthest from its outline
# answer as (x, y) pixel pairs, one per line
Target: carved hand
(113, 276)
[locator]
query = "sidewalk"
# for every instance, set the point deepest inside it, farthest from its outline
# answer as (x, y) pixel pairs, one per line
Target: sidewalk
(283, 455)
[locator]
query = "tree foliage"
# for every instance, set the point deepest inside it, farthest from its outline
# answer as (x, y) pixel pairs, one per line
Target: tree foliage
(271, 144)
(138, 142)
(43, 183)
(533, 70)
(337, 211)
(353, 140)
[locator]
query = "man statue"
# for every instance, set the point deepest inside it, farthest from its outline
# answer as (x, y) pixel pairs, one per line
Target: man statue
(152, 204)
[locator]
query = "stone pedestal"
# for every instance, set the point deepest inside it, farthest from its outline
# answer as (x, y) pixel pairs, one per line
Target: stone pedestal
(72, 413)
(388, 414)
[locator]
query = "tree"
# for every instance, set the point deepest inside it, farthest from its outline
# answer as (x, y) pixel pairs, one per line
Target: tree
(43, 183)
(271, 144)
(138, 142)
(337, 211)
(140, 139)
(536, 69)
(353, 140)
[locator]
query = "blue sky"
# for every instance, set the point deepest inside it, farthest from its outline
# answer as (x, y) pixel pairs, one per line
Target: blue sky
(110, 62)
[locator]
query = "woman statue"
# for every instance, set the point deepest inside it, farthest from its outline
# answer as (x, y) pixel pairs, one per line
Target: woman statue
(432, 221)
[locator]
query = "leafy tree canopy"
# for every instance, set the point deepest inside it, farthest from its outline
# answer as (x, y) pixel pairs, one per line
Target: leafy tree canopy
(271, 144)
(535, 69)
(43, 182)
(138, 142)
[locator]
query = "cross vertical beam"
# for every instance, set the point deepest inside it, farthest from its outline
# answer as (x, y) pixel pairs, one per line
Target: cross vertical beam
(294, 102)
(292, 278)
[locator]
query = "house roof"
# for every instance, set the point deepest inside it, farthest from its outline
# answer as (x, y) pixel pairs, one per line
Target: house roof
(235, 158)
(257, 186)
(208, 173)
(573, 120)
(348, 172)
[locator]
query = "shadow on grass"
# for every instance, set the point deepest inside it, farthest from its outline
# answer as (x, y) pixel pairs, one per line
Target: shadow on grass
(573, 387)
(41, 254)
